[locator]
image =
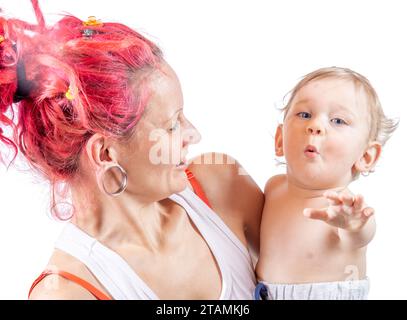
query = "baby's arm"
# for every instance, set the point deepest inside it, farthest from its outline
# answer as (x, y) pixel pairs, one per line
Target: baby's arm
(355, 222)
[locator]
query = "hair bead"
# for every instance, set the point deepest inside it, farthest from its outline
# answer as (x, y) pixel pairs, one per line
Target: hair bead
(92, 21)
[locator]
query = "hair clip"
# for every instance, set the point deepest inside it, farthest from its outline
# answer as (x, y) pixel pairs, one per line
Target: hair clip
(88, 33)
(70, 94)
(2, 38)
(92, 21)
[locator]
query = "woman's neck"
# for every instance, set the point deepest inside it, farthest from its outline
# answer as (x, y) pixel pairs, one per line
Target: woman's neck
(126, 219)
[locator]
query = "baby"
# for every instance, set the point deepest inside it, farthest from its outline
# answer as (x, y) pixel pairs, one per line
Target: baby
(314, 231)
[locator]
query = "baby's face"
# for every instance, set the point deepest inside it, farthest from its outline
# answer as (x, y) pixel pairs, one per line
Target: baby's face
(325, 132)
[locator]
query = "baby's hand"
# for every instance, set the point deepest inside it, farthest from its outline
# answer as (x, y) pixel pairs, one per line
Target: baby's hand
(344, 211)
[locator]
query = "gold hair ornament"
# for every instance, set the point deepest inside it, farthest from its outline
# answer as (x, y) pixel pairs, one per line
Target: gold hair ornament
(71, 93)
(92, 21)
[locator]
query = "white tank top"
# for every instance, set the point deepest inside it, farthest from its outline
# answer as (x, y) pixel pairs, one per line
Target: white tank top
(122, 282)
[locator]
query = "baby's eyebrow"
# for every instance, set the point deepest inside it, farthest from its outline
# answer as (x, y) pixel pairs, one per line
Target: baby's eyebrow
(338, 106)
(303, 101)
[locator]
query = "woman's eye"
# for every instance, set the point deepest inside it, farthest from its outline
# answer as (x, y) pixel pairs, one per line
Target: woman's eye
(175, 127)
(304, 115)
(338, 121)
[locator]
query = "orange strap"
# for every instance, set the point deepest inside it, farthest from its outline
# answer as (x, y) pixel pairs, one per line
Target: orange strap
(83, 283)
(197, 187)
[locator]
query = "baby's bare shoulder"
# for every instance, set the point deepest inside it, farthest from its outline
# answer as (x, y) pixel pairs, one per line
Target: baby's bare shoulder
(274, 183)
(274, 193)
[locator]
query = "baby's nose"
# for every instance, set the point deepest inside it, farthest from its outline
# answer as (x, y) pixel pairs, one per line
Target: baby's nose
(315, 129)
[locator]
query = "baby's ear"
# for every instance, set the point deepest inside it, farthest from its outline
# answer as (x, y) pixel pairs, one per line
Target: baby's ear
(278, 141)
(369, 158)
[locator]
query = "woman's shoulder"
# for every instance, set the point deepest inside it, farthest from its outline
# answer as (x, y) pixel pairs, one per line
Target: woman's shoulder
(54, 286)
(224, 179)
(232, 193)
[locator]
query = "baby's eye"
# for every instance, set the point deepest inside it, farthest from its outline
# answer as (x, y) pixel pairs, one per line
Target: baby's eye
(338, 121)
(304, 115)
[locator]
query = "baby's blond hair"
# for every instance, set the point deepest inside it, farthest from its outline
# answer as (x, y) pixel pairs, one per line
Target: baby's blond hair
(381, 127)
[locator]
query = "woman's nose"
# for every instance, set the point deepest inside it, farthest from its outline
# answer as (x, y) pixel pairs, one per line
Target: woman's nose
(195, 137)
(191, 135)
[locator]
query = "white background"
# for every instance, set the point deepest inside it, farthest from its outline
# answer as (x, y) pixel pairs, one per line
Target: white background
(236, 60)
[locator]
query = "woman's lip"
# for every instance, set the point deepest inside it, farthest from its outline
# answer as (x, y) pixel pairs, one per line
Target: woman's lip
(182, 166)
(182, 163)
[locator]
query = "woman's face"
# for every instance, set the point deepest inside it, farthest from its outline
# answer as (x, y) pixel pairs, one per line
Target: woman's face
(155, 156)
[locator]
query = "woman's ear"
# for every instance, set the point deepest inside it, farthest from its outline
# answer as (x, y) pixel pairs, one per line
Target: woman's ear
(278, 141)
(99, 151)
(369, 158)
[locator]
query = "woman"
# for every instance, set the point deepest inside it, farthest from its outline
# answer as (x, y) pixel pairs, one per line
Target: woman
(101, 111)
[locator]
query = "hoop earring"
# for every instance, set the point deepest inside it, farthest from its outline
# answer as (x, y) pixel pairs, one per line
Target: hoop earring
(123, 184)
(62, 211)
(365, 173)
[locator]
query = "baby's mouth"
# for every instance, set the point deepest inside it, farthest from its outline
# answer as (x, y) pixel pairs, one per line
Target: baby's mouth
(311, 151)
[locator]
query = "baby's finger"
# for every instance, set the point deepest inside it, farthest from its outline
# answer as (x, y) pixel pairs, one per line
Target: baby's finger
(341, 210)
(333, 198)
(368, 212)
(318, 214)
(358, 204)
(347, 199)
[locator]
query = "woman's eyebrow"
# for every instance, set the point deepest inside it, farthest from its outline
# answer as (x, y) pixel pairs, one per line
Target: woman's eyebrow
(173, 115)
